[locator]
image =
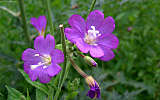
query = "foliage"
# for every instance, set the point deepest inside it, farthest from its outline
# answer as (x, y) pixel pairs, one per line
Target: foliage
(132, 75)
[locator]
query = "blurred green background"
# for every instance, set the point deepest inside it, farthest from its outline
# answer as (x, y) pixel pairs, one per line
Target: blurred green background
(134, 73)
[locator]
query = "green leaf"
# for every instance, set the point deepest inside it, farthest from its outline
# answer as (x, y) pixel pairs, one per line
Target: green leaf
(1, 94)
(13, 94)
(74, 85)
(40, 95)
(120, 16)
(58, 46)
(71, 95)
(38, 85)
(109, 84)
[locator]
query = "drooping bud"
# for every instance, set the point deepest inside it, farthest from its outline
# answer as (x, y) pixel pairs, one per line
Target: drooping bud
(94, 91)
(90, 80)
(90, 61)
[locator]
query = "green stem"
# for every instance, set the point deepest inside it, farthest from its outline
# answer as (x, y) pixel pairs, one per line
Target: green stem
(24, 21)
(92, 6)
(48, 8)
(78, 69)
(63, 44)
(63, 80)
(63, 74)
(103, 65)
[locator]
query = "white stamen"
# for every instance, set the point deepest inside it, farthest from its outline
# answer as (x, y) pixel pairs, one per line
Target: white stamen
(93, 32)
(36, 55)
(35, 66)
(39, 64)
(46, 56)
(91, 36)
(99, 34)
(45, 67)
(46, 60)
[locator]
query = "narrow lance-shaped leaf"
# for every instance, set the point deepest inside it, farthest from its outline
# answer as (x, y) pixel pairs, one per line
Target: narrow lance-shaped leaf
(14, 94)
(38, 85)
(40, 95)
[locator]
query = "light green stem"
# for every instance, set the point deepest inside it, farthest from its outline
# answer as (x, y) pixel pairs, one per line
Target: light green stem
(92, 6)
(50, 21)
(63, 74)
(24, 21)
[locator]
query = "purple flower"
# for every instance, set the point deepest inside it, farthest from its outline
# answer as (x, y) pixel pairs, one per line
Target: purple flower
(94, 35)
(39, 23)
(42, 62)
(94, 91)
(129, 29)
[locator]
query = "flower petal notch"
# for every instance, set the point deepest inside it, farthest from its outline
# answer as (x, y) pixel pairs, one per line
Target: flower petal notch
(94, 91)
(42, 62)
(39, 23)
(93, 35)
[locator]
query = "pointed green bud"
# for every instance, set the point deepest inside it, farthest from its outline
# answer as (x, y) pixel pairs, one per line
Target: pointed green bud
(90, 61)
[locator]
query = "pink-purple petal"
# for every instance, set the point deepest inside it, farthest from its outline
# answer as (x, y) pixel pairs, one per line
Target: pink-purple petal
(108, 40)
(42, 22)
(72, 34)
(33, 75)
(44, 46)
(57, 56)
(78, 23)
(39, 23)
(34, 22)
(107, 26)
(108, 54)
(49, 43)
(94, 91)
(96, 51)
(53, 69)
(95, 18)
(39, 44)
(29, 56)
(91, 94)
(43, 76)
(82, 46)
(26, 68)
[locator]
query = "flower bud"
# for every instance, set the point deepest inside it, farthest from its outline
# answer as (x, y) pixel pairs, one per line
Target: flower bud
(94, 91)
(90, 80)
(129, 29)
(90, 61)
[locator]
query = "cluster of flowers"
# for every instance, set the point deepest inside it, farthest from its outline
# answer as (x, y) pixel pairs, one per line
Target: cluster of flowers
(93, 35)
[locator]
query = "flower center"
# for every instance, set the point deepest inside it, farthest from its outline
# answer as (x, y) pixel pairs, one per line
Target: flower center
(46, 60)
(90, 37)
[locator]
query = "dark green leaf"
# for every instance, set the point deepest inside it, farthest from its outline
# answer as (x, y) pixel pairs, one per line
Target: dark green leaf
(14, 94)
(40, 95)
(38, 85)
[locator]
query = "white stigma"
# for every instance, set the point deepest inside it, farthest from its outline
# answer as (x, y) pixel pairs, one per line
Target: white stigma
(91, 36)
(44, 67)
(93, 32)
